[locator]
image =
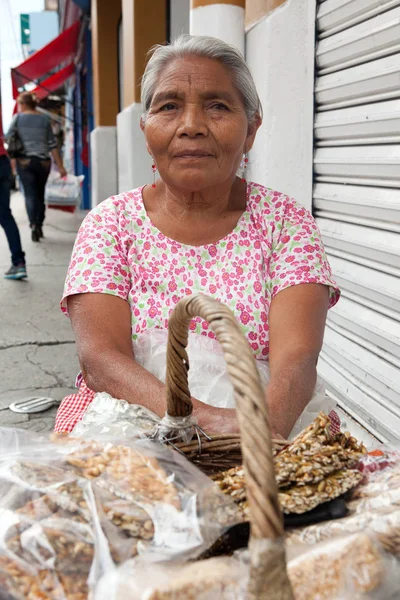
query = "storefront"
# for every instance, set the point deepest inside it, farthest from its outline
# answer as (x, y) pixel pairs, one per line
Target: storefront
(63, 68)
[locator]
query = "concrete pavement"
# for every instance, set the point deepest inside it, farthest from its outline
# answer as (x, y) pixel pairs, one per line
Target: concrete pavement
(37, 349)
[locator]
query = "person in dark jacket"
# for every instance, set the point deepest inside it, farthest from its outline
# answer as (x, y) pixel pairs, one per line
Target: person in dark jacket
(35, 131)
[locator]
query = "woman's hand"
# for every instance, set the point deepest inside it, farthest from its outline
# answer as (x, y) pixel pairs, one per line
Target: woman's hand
(58, 160)
(217, 420)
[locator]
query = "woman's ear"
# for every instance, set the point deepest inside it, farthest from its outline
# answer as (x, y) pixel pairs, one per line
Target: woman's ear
(142, 127)
(252, 131)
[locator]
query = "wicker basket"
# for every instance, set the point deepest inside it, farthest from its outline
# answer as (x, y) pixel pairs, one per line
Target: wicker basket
(212, 452)
(268, 577)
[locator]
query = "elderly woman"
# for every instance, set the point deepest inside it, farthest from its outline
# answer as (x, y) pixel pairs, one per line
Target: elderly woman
(198, 228)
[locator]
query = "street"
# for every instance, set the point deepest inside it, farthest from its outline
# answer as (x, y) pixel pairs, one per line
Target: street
(37, 346)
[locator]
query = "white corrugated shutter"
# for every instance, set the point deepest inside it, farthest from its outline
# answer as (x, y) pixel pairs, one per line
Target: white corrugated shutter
(357, 203)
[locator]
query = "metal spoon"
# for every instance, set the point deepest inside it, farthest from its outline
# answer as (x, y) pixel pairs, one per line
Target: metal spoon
(33, 404)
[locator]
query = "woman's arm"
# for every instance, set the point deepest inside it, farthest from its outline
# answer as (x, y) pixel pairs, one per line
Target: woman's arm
(58, 160)
(296, 328)
(53, 148)
(102, 327)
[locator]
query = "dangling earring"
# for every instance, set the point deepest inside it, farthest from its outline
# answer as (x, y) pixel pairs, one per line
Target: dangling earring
(243, 166)
(154, 169)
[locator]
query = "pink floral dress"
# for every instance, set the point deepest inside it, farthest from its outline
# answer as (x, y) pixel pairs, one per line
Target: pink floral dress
(275, 244)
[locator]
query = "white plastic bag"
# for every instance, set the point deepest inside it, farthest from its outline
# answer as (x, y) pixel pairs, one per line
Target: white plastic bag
(208, 377)
(109, 418)
(65, 191)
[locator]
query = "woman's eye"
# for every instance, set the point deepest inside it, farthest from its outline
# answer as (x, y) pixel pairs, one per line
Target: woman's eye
(168, 106)
(219, 106)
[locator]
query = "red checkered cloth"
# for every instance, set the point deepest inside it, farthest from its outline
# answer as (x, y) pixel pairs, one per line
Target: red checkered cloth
(74, 406)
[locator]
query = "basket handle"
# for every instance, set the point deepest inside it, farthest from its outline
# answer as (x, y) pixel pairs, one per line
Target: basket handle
(268, 578)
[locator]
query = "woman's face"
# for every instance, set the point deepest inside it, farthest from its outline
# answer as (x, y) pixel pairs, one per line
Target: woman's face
(197, 129)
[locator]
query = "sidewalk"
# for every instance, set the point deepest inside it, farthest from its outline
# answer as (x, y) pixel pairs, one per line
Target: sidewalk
(37, 349)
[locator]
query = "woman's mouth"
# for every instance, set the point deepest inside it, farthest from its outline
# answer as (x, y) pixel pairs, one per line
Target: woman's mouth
(192, 154)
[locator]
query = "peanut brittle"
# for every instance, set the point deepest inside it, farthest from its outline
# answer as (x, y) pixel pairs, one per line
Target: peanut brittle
(130, 518)
(315, 453)
(314, 468)
(19, 582)
(125, 472)
(300, 499)
(39, 476)
(296, 498)
(57, 543)
(352, 563)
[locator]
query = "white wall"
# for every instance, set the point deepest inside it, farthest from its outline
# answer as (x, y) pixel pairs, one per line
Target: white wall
(179, 17)
(224, 21)
(280, 54)
(104, 176)
(134, 162)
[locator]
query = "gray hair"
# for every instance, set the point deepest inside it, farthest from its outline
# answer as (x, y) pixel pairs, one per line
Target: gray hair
(206, 47)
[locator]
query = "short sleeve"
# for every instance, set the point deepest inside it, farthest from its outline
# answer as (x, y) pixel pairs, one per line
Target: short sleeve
(298, 254)
(99, 262)
(51, 140)
(11, 127)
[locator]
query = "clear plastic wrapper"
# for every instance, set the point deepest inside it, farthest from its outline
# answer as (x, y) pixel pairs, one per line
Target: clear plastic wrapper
(387, 499)
(374, 504)
(223, 578)
(72, 509)
(379, 521)
(349, 568)
(380, 459)
(381, 473)
(354, 567)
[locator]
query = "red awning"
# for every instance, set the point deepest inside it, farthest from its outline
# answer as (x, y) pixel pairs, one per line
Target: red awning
(59, 51)
(53, 82)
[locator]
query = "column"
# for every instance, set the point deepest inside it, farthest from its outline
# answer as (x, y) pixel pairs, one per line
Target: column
(105, 16)
(144, 24)
(223, 19)
(280, 51)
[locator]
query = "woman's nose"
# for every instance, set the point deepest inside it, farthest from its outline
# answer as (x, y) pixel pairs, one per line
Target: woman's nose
(192, 123)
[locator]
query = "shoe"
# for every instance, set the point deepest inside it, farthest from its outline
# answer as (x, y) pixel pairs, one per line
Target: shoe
(40, 231)
(35, 233)
(16, 272)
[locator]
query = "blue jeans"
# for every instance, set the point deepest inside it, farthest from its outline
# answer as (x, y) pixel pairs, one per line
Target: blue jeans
(7, 220)
(33, 173)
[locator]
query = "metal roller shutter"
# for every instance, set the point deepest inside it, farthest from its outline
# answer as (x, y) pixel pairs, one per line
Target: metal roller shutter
(357, 204)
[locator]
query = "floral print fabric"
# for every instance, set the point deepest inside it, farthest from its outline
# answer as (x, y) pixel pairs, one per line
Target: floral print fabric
(275, 244)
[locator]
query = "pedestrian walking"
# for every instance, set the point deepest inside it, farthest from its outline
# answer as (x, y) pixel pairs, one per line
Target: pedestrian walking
(7, 221)
(33, 167)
